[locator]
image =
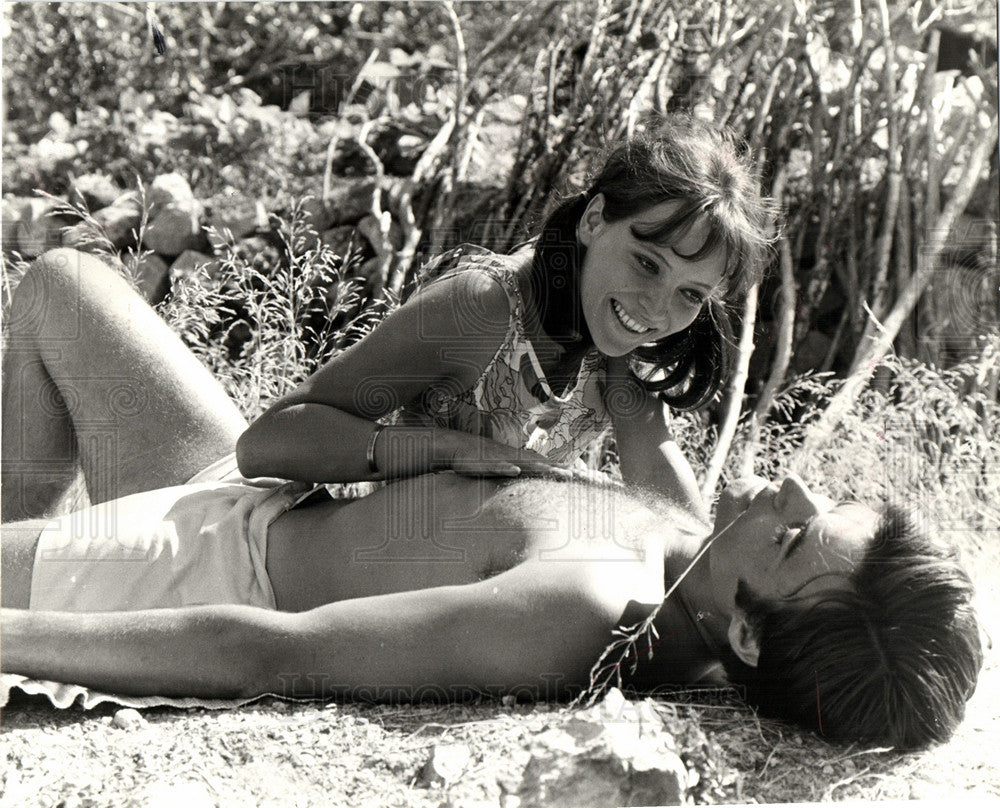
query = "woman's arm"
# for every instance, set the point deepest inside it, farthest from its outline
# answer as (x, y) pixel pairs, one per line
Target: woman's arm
(648, 454)
(525, 627)
(443, 337)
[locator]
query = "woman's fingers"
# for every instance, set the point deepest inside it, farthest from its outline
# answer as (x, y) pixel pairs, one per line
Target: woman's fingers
(478, 468)
(548, 471)
(483, 457)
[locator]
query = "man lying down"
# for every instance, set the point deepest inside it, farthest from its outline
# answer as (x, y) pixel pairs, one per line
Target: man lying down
(828, 615)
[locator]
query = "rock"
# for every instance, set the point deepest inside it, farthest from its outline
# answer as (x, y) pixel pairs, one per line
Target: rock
(117, 223)
(350, 199)
(175, 228)
(369, 228)
(51, 153)
(371, 271)
(613, 754)
(341, 239)
(96, 190)
(317, 215)
(810, 352)
(398, 150)
(36, 230)
(238, 214)
(128, 718)
(60, 125)
(128, 200)
(14, 210)
(446, 763)
(189, 262)
(260, 253)
(152, 277)
(169, 189)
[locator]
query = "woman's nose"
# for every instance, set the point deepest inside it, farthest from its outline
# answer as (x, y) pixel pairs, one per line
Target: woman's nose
(795, 502)
(656, 309)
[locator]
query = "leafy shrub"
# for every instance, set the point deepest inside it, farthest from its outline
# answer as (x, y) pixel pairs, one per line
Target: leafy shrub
(263, 328)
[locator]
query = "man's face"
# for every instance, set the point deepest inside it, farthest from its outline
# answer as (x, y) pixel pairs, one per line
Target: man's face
(784, 540)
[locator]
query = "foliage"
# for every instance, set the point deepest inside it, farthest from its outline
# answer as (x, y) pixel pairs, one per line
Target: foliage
(263, 329)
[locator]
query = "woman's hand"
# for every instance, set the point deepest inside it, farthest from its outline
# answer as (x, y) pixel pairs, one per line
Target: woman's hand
(473, 456)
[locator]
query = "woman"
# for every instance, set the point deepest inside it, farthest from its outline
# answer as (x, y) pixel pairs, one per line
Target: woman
(500, 365)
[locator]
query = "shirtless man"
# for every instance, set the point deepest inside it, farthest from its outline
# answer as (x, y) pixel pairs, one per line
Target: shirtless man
(499, 587)
(435, 582)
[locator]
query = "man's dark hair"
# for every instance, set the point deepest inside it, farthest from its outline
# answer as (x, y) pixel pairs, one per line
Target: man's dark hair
(891, 659)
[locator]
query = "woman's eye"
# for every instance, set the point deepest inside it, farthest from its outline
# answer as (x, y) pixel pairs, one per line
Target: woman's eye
(647, 265)
(694, 298)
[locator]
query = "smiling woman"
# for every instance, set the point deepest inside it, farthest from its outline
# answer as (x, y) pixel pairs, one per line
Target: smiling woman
(634, 291)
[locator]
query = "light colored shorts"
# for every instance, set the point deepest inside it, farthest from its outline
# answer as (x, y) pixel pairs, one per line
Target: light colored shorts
(187, 545)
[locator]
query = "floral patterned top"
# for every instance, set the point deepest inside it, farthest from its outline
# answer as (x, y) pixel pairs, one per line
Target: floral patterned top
(512, 402)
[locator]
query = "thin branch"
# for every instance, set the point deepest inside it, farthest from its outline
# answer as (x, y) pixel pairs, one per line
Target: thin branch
(783, 344)
(904, 243)
(932, 200)
(734, 397)
(884, 244)
(504, 36)
(383, 219)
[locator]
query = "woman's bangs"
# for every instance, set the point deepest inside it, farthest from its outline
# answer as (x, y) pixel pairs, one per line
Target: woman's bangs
(669, 231)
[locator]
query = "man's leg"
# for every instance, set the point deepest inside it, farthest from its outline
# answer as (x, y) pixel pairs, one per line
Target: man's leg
(93, 378)
(18, 541)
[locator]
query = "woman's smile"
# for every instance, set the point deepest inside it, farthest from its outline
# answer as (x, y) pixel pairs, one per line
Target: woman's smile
(628, 322)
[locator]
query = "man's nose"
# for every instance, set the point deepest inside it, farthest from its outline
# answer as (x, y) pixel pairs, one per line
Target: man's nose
(795, 502)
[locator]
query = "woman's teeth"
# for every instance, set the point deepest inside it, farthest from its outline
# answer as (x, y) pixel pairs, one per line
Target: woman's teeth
(630, 324)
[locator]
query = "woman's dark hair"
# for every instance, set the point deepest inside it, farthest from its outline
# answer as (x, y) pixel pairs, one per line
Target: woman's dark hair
(890, 659)
(711, 174)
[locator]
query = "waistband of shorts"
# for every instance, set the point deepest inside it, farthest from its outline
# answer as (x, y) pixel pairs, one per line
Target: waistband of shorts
(281, 498)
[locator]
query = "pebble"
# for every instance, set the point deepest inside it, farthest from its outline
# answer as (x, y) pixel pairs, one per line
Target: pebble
(129, 719)
(446, 763)
(169, 189)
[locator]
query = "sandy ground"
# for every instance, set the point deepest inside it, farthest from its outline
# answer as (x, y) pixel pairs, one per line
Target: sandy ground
(277, 753)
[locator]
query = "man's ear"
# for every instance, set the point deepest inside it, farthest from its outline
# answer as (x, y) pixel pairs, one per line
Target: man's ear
(591, 220)
(743, 639)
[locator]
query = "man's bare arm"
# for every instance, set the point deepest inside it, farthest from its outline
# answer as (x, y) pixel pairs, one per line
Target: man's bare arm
(527, 627)
(200, 651)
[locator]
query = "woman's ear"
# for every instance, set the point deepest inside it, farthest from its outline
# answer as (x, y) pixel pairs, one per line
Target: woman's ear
(591, 220)
(744, 639)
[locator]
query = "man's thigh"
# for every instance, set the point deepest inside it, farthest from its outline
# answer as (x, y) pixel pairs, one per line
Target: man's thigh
(18, 542)
(146, 413)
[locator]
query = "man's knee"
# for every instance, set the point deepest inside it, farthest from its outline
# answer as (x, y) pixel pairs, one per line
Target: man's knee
(56, 278)
(57, 263)
(51, 270)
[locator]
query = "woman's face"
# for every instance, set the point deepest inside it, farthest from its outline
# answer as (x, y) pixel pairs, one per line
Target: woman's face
(783, 540)
(634, 292)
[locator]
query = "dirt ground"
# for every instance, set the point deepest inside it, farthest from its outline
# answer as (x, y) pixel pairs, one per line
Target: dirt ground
(278, 753)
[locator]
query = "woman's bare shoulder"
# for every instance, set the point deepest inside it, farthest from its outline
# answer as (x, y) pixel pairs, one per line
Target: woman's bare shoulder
(469, 304)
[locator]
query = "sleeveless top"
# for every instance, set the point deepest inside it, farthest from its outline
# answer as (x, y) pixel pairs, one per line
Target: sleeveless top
(512, 402)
